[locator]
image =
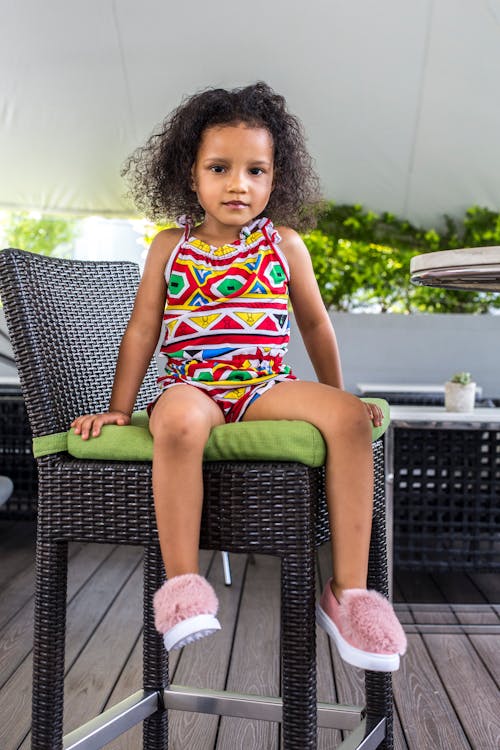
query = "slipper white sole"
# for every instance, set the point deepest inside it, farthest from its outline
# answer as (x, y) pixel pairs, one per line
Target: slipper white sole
(189, 630)
(353, 655)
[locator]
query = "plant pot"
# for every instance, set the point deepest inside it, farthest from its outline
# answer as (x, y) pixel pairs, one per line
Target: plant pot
(458, 397)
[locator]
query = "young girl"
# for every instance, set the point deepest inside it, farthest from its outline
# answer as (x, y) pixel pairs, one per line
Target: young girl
(232, 162)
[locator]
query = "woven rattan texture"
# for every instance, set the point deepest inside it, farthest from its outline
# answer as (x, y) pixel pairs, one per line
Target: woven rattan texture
(53, 301)
(447, 499)
(378, 684)
(274, 508)
(268, 507)
(16, 458)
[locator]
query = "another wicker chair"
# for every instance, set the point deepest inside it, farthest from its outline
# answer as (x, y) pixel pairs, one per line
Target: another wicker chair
(66, 319)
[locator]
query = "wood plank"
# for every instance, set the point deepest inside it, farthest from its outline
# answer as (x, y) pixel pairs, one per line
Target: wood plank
(476, 615)
(16, 639)
(458, 588)
(425, 711)
(488, 648)
(206, 559)
(17, 550)
(82, 620)
(471, 689)
(92, 676)
(327, 692)
(431, 689)
(349, 681)
(16, 595)
(132, 670)
(131, 677)
(255, 665)
(206, 663)
(404, 613)
(418, 587)
(399, 735)
(433, 614)
(489, 585)
(471, 619)
(20, 590)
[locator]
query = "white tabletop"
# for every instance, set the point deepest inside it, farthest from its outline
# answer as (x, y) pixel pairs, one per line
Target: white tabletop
(399, 388)
(417, 389)
(465, 268)
(9, 380)
(467, 256)
(438, 415)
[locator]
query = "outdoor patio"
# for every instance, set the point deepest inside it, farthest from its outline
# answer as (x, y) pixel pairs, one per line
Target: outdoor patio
(446, 693)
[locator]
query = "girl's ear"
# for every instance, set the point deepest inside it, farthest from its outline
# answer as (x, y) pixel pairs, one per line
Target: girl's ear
(192, 180)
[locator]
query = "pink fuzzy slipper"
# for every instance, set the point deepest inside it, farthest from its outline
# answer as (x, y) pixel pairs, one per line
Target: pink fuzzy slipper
(365, 629)
(185, 608)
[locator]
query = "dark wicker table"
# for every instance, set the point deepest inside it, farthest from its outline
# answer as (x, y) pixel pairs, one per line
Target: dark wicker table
(466, 477)
(16, 455)
(443, 488)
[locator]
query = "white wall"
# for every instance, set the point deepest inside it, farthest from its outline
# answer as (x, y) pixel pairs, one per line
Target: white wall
(400, 349)
(110, 239)
(425, 349)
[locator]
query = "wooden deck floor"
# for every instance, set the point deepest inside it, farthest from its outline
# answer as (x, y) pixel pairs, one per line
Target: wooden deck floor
(446, 693)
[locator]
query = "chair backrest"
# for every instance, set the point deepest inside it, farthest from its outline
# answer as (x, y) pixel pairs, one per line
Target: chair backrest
(66, 319)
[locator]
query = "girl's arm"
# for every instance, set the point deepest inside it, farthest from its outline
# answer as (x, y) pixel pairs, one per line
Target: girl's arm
(310, 313)
(312, 318)
(139, 340)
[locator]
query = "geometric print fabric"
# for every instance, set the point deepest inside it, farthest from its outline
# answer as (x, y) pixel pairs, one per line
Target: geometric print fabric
(226, 316)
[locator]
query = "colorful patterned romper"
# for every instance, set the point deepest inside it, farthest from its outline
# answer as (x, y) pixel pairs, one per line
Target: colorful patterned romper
(226, 318)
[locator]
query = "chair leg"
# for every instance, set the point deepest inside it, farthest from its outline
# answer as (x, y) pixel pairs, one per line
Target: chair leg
(379, 704)
(298, 649)
(49, 645)
(379, 695)
(227, 568)
(155, 658)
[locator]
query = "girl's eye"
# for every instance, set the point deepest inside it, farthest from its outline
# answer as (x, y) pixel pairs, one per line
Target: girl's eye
(217, 169)
(256, 170)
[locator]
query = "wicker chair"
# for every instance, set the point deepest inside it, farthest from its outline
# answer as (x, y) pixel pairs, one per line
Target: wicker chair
(66, 319)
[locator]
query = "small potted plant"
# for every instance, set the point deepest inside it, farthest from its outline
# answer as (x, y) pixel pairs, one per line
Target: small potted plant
(460, 393)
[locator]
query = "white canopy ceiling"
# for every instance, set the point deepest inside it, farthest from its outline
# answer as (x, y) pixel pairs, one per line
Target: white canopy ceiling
(400, 99)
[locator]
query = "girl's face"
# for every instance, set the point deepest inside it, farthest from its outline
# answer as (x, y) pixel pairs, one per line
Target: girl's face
(233, 173)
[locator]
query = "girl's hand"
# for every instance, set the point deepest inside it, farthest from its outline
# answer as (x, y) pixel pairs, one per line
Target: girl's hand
(90, 424)
(375, 413)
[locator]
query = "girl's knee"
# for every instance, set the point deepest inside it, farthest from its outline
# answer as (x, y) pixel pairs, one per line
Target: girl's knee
(181, 429)
(351, 415)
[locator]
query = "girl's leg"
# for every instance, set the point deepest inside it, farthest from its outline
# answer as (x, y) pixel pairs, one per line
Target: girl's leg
(180, 424)
(345, 425)
(185, 606)
(362, 623)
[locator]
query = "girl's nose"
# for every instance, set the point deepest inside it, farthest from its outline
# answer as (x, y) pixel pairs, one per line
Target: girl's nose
(237, 183)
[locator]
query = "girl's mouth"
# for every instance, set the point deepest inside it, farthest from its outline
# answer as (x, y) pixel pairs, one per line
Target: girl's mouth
(236, 204)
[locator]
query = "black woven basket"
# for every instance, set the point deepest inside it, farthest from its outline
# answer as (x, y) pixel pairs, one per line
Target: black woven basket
(447, 499)
(16, 456)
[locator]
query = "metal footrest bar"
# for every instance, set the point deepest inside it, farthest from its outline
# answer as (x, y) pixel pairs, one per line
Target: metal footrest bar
(200, 700)
(113, 722)
(364, 737)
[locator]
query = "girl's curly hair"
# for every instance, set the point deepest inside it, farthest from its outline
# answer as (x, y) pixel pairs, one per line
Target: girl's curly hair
(159, 172)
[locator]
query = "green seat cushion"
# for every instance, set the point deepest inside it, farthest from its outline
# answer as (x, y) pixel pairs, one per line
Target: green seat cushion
(283, 440)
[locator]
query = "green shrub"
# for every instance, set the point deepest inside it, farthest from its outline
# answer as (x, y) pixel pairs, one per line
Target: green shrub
(40, 233)
(362, 260)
